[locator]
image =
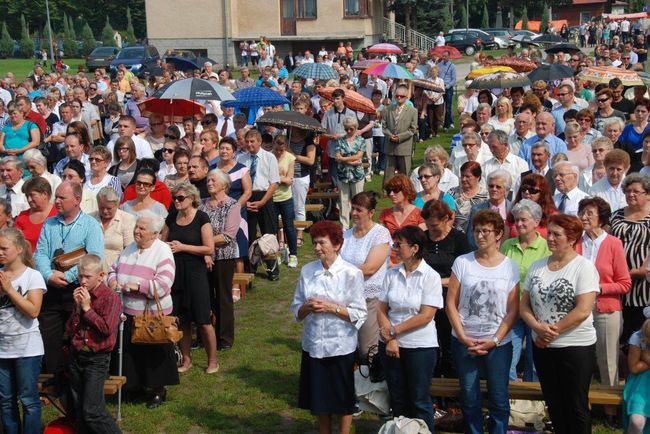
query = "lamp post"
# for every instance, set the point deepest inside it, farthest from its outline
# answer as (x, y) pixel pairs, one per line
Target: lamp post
(466, 15)
(49, 28)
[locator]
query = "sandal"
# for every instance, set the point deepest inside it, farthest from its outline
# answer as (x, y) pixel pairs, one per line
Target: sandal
(300, 242)
(236, 295)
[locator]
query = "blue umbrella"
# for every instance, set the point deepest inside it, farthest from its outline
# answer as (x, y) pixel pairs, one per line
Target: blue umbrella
(255, 97)
(317, 71)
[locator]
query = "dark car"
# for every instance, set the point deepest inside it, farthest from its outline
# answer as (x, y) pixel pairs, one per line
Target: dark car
(139, 59)
(466, 41)
(101, 57)
(487, 40)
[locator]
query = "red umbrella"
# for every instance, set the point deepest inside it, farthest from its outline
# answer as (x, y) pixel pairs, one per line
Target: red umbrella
(173, 110)
(453, 52)
(363, 64)
(385, 48)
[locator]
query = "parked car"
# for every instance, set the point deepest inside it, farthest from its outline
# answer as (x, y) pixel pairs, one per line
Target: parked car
(502, 37)
(487, 40)
(101, 57)
(468, 42)
(139, 59)
(526, 33)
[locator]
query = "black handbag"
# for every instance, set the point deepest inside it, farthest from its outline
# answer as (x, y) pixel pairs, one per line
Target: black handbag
(375, 367)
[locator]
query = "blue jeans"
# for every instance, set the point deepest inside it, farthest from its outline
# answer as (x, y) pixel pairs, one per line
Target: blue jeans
(285, 208)
(409, 381)
(449, 99)
(378, 146)
(19, 382)
(495, 365)
(521, 331)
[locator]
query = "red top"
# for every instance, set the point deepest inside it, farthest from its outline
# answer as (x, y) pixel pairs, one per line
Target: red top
(160, 194)
(387, 219)
(97, 328)
(39, 120)
(615, 280)
(30, 230)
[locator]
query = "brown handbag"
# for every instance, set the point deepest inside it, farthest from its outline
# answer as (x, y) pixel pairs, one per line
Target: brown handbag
(66, 261)
(154, 328)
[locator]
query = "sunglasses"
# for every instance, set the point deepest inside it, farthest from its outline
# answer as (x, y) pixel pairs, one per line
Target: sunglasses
(170, 136)
(93, 159)
(93, 88)
(393, 190)
(531, 190)
(180, 198)
(562, 94)
(143, 184)
(168, 151)
(400, 96)
(602, 99)
(422, 177)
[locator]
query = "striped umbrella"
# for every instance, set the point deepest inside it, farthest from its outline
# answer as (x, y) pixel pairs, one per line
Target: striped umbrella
(353, 100)
(602, 74)
(390, 70)
(194, 88)
(317, 71)
(500, 80)
(367, 63)
(385, 48)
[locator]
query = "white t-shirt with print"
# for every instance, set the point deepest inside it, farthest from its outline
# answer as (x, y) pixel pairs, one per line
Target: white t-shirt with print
(20, 335)
(483, 299)
(553, 295)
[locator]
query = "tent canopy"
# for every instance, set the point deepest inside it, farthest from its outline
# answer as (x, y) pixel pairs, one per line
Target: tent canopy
(534, 26)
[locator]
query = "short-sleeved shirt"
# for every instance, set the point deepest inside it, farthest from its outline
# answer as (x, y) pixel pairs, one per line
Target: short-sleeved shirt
(355, 251)
(20, 335)
(440, 255)
(535, 251)
(387, 218)
(635, 340)
(405, 296)
(156, 208)
(553, 295)
(283, 192)
(483, 299)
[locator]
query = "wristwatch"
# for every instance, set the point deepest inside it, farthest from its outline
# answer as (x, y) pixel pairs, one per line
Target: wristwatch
(392, 332)
(338, 310)
(496, 341)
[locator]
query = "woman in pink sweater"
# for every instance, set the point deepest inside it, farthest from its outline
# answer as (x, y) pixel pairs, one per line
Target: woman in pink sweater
(606, 252)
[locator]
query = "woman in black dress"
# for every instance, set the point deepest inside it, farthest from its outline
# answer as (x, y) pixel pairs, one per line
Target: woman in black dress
(444, 244)
(189, 235)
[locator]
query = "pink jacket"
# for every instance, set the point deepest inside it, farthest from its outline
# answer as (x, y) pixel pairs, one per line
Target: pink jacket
(614, 274)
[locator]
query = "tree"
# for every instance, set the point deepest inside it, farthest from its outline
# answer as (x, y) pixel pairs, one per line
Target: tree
(545, 19)
(6, 43)
(524, 18)
(26, 42)
(485, 17)
(130, 33)
(107, 34)
(461, 19)
(88, 39)
(69, 38)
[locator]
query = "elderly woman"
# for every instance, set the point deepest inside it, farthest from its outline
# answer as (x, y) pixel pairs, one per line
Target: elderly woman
(403, 213)
(410, 296)
(534, 187)
(586, 120)
(631, 225)
(145, 180)
(470, 192)
(438, 156)
(181, 164)
(632, 135)
(189, 235)
(578, 153)
(349, 152)
(38, 193)
(329, 298)
(19, 135)
(429, 177)
(117, 225)
(503, 119)
(75, 172)
(610, 188)
(499, 184)
(5, 214)
(524, 249)
(127, 163)
(482, 304)
(606, 252)
(146, 265)
(594, 173)
(100, 158)
(367, 246)
(36, 163)
(559, 294)
(613, 129)
(167, 164)
(224, 214)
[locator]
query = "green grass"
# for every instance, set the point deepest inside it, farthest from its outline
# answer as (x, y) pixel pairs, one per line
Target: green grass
(22, 68)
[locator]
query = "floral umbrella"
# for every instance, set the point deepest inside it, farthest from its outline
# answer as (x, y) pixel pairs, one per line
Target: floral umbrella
(385, 48)
(519, 65)
(488, 70)
(500, 80)
(390, 70)
(453, 52)
(602, 74)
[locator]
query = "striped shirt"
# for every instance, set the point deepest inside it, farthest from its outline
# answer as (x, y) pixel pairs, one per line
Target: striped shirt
(153, 265)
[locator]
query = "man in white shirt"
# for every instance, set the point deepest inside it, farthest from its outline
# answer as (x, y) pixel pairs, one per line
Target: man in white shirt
(521, 133)
(59, 128)
(11, 173)
(225, 124)
(440, 39)
(126, 127)
(502, 158)
(617, 163)
(568, 194)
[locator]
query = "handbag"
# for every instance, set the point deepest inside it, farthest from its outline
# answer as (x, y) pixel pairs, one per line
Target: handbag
(154, 328)
(65, 261)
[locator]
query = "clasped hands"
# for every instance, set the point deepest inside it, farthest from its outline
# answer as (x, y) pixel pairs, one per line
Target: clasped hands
(546, 333)
(317, 305)
(81, 297)
(392, 344)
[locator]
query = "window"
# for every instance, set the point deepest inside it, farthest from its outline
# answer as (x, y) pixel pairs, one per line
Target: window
(355, 8)
(306, 9)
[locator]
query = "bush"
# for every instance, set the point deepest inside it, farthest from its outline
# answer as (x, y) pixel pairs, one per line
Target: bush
(107, 34)
(88, 39)
(26, 42)
(6, 43)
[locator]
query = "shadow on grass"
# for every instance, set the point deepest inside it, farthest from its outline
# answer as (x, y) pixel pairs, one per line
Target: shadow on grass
(292, 344)
(281, 385)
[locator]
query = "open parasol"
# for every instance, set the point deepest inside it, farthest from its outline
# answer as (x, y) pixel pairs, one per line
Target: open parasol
(500, 80)
(602, 74)
(173, 110)
(453, 52)
(385, 48)
(287, 119)
(353, 100)
(390, 70)
(564, 47)
(194, 88)
(488, 70)
(317, 71)
(367, 63)
(551, 72)
(428, 85)
(518, 64)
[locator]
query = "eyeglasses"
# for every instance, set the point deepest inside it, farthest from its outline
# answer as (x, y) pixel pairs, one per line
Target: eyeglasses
(562, 94)
(396, 245)
(423, 177)
(394, 190)
(531, 190)
(594, 150)
(143, 184)
(168, 150)
(400, 96)
(170, 136)
(95, 159)
(92, 88)
(602, 99)
(496, 186)
(180, 198)
(584, 120)
(575, 60)
(634, 192)
(483, 232)
(122, 149)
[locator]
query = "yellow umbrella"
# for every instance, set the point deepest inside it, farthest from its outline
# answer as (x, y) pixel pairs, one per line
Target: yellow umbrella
(488, 70)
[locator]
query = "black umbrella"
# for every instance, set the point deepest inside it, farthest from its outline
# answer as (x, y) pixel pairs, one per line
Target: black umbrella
(551, 72)
(287, 119)
(194, 88)
(563, 47)
(547, 39)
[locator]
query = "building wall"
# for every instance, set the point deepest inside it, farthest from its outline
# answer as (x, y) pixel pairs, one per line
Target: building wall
(185, 19)
(572, 13)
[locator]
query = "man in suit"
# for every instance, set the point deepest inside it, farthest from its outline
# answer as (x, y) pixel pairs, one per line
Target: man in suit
(540, 154)
(401, 123)
(289, 61)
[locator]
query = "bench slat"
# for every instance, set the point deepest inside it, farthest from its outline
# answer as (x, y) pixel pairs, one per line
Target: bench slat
(111, 386)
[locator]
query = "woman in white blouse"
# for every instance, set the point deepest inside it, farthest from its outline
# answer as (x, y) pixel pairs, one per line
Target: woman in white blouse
(329, 298)
(367, 245)
(410, 297)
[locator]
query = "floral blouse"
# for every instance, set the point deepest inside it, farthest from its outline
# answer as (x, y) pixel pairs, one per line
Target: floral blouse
(348, 172)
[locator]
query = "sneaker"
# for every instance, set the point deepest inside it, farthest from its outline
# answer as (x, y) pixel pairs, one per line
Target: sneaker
(368, 177)
(451, 126)
(381, 173)
(293, 261)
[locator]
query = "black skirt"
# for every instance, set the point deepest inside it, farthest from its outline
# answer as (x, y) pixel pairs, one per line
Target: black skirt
(145, 366)
(327, 385)
(191, 291)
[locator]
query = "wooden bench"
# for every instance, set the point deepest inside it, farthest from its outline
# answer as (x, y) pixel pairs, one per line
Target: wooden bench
(112, 385)
(300, 224)
(323, 185)
(314, 207)
(532, 391)
(321, 195)
(244, 280)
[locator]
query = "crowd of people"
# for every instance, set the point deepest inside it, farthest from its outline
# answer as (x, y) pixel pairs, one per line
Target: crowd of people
(521, 252)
